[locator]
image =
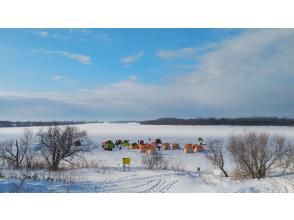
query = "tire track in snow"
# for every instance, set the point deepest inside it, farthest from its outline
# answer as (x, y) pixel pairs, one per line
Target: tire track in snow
(142, 184)
(168, 186)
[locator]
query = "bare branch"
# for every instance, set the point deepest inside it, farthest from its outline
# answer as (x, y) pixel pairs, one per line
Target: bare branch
(215, 154)
(256, 155)
(62, 144)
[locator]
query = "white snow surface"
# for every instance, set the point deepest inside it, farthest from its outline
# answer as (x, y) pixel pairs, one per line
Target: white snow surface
(109, 176)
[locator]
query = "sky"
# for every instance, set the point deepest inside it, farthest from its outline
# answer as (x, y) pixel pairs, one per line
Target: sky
(141, 74)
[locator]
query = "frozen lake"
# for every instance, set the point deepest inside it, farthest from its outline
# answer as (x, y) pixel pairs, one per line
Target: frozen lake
(110, 177)
(134, 131)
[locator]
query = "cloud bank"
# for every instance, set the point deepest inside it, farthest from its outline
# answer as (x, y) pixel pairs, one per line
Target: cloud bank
(132, 58)
(251, 74)
(74, 56)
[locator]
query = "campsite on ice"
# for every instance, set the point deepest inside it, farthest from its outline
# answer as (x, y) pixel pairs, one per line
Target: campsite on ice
(102, 170)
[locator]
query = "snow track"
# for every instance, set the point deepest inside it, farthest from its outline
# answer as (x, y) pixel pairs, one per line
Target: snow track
(160, 183)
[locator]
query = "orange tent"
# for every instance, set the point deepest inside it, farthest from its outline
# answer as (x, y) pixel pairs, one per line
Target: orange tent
(175, 146)
(147, 148)
(134, 147)
(188, 148)
(142, 148)
(198, 148)
(166, 146)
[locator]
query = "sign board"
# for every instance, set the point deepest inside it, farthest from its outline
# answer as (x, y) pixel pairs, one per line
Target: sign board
(126, 161)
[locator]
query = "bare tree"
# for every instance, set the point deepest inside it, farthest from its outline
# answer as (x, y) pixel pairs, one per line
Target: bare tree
(286, 162)
(17, 153)
(26, 142)
(151, 161)
(18, 186)
(62, 145)
(255, 155)
(216, 154)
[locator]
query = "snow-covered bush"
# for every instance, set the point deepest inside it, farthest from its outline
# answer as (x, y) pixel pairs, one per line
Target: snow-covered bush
(154, 161)
(256, 155)
(176, 165)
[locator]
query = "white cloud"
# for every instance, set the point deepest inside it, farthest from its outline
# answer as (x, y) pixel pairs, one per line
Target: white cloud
(84, 90)
(87, 33)
(133, 77)
(180, 53)
(64, 80)
(249, 74)
(46, 34)
(42, 33)
(77, 57)
(132, 58)
(105, 37)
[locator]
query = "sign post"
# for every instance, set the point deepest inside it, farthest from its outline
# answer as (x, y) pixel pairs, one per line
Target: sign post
(126, 161)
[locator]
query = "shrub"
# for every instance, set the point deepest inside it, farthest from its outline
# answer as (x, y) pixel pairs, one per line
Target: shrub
(256, 155)
(151, 161)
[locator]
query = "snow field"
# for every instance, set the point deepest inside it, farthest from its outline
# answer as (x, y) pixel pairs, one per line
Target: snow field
(108, 175)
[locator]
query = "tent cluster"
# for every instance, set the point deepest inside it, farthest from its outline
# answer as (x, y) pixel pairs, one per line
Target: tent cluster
(153, 146)
(168, 146)
(192, 148)
(109, 145)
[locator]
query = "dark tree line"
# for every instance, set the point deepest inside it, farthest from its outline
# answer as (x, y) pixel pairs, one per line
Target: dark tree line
(40, 123)
(249, 121)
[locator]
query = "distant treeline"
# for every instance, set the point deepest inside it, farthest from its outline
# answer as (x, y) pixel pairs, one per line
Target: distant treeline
(41, 123)
(250, 121)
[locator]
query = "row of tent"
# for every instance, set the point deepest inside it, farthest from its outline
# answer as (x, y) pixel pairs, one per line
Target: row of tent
(152, 147)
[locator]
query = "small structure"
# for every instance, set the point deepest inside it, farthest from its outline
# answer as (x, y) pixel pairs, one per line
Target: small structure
(147, 148)
(125, 143)
(108, 145)
(188, 148)
(142, 148)
(200, 140)
(166, 146)
(175, 146)
(158, 141)
(126, 163)
(198, 148)
(134, 146)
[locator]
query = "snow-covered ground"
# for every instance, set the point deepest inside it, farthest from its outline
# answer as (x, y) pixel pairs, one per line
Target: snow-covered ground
(108, 176)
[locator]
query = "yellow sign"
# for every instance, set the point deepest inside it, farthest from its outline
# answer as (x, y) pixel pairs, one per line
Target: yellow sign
(126, 160)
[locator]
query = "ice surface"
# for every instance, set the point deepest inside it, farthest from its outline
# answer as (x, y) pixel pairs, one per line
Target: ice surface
(110, 177)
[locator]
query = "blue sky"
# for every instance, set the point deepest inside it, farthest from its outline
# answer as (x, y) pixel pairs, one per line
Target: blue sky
(125, 74)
